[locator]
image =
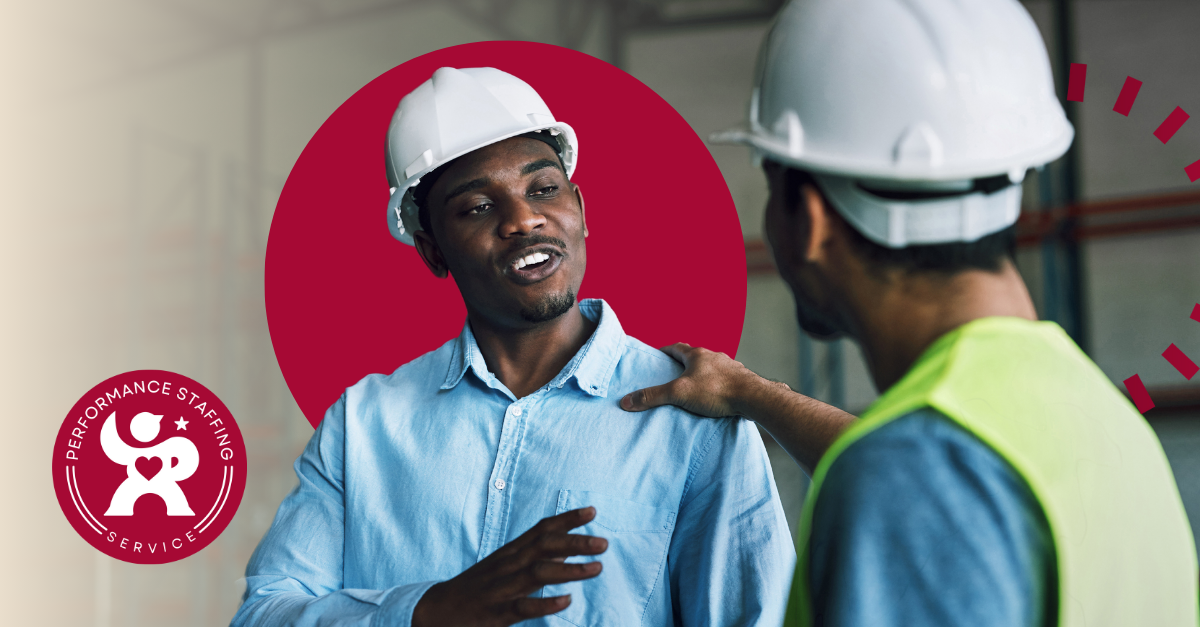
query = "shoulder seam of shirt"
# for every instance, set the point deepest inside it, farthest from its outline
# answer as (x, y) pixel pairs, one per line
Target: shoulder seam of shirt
(653, 352)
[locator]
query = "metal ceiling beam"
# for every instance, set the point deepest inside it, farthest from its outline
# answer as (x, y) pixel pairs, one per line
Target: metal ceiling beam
(227, 44)
(654, 17)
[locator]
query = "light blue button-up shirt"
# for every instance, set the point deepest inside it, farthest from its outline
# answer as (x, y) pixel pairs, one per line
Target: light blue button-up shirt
(415, 476)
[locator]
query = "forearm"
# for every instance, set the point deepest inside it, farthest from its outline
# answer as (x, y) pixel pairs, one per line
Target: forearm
(803, 426)
(715, 386)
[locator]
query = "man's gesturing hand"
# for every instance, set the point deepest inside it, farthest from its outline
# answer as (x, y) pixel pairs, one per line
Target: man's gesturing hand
(495, 592)
(711, 384)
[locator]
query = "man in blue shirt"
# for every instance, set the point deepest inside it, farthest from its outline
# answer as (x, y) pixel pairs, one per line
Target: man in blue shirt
(442, 494)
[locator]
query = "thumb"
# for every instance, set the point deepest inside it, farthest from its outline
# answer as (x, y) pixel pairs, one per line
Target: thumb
(646, 398)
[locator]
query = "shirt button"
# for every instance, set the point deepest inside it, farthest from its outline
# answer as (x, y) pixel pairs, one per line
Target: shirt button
(500, 484)
(516, 411)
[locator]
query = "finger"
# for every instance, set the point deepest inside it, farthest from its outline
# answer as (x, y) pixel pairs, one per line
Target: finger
(549, 547)
(549, 573)
(568, 520)
(646, 398)
(554, 545)
(525, 608)
(678, 351)
(561, 523)
(539, 573)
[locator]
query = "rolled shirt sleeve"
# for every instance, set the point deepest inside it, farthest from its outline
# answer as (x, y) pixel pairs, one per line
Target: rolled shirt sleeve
(295, 575)
(731, 558)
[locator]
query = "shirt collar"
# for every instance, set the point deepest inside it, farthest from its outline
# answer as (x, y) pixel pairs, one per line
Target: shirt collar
(592, 367)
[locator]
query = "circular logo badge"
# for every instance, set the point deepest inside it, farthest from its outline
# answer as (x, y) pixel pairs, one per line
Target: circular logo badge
(149, 467)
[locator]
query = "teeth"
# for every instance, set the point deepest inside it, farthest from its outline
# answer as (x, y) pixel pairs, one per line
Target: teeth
(529, 260)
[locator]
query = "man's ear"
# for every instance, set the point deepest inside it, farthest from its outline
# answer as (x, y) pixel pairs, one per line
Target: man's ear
(820, 224)
(430, 254)
(582, 213)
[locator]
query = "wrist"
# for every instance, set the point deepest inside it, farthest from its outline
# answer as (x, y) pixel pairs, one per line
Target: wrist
(749, 392)
(426, 609)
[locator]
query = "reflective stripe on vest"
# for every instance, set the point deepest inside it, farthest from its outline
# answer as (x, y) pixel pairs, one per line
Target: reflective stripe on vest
(1124, 548)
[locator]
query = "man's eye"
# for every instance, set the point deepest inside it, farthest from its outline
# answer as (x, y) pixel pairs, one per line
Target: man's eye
(549, 189)
(483, 208)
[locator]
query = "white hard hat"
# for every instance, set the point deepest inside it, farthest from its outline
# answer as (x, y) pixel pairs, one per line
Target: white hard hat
(451, 114)
(928, 93)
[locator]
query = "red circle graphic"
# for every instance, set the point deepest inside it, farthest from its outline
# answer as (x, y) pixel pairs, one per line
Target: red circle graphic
(665, 249)
(149, 467)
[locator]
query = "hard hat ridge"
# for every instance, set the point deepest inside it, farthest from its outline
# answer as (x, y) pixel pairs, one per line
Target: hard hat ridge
(465, 107)
(453, 113)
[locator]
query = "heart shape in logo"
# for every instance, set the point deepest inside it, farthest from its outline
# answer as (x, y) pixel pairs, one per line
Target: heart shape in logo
(148, 467)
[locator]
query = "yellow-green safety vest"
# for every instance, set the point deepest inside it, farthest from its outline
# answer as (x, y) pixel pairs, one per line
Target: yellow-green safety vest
(1124, 549)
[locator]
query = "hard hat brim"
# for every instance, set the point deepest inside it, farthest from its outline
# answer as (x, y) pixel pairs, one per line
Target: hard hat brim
(776, 150)
(405, 222)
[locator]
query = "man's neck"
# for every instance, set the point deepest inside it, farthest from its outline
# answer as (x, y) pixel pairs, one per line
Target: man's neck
(900, 321)
(525, 359)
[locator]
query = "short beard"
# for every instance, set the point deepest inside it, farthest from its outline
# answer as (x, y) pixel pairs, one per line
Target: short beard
(816, 325)
(550, 307)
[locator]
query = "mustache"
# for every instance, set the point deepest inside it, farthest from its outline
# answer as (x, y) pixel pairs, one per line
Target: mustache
(534, 240)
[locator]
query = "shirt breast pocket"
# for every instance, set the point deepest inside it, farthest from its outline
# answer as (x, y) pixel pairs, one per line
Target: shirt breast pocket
(638, 537)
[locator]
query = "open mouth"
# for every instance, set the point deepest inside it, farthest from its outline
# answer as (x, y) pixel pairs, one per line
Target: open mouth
(533, 266)
(532, 261)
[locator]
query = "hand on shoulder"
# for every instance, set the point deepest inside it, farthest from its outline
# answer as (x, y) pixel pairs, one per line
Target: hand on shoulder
(712, 384)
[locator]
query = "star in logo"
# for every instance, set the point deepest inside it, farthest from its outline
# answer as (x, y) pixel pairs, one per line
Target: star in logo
(181, 424)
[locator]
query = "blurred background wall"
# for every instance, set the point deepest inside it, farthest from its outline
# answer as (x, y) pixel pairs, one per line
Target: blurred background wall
(143, 144)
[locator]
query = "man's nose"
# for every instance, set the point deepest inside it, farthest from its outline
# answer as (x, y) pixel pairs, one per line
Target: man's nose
(521, 218)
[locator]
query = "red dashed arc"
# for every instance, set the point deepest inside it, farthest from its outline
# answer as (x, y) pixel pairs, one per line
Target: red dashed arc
(1129, 92)
(1174, 356)
(1182, 363)
(1137, 391)
(1076, 82)
(1167, 129)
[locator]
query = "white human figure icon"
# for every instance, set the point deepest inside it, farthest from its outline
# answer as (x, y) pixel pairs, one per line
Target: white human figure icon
(164, 483)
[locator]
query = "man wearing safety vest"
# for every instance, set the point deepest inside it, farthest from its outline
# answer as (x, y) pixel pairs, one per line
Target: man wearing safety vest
(1000, 478)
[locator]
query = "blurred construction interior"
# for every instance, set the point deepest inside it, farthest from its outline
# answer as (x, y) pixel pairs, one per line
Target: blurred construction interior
(143, 144)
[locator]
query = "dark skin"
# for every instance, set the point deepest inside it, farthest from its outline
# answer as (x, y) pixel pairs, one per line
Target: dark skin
(495, 592)
(893, 314)
(493, 206)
